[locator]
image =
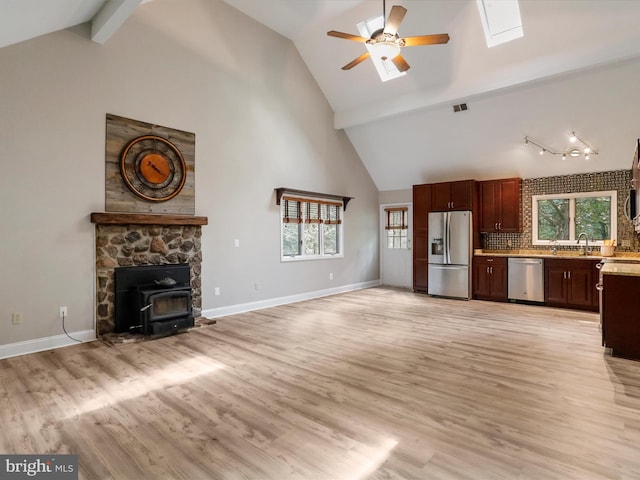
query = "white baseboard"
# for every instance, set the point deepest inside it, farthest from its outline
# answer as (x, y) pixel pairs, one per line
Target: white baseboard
(57, 341)
(46, 343)
(274, 302)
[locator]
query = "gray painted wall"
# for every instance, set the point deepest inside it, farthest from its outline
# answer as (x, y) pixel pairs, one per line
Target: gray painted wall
(198, 65)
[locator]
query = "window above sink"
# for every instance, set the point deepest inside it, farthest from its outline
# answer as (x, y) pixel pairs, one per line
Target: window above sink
(559, 219)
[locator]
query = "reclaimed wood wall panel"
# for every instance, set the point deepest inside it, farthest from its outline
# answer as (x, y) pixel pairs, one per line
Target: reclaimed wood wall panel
(118, 197)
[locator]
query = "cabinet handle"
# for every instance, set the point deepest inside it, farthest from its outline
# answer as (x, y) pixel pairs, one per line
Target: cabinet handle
(599, 287)
(487, 269)
(491, 270)
(564, 275)
(489, 259)
(495, 227)
(569, 272)
(500, 226)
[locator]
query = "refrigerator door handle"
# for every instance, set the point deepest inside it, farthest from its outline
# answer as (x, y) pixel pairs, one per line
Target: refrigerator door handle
(447, 222)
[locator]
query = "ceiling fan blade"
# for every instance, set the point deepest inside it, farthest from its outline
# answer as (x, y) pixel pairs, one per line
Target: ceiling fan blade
(347, 36)
(395, 18)
(358, 60)
(426, 40)
(400, 63)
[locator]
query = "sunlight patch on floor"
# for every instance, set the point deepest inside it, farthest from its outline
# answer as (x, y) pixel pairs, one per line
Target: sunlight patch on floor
(166, 376)
(375, 456)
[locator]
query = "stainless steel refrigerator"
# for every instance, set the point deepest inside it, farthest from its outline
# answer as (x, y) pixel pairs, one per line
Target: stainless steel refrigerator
(450, 244)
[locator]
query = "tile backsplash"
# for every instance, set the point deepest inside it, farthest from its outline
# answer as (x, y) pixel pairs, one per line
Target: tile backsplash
(619, 180)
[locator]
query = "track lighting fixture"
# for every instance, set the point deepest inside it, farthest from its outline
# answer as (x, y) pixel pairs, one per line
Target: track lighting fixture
(584, 148)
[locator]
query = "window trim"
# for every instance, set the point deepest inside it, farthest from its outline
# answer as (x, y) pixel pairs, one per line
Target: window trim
(339, 225)
(572, 225)
(404, 225)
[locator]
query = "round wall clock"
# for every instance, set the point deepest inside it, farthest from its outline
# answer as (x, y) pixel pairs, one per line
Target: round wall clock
(153, 168)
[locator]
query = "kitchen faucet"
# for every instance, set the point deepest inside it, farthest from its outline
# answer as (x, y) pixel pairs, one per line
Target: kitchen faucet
(585, 250)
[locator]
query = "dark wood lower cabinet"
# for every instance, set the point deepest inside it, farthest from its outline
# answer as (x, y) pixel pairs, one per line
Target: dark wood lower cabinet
(570, 283)
(490, 278)
(621, 315)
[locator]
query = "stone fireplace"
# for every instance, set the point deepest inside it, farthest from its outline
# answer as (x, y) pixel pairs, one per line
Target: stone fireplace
(126, 240)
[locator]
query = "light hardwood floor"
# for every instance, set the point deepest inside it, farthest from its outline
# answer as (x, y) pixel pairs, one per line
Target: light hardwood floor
(374, 384)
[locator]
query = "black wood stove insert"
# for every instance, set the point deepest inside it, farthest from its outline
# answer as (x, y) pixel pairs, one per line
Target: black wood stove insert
(153, 299)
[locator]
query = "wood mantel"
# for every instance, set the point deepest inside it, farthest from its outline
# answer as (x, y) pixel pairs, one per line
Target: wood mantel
(146, 219)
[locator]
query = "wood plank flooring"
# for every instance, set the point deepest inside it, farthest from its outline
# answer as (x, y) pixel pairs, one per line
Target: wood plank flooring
(374, 384)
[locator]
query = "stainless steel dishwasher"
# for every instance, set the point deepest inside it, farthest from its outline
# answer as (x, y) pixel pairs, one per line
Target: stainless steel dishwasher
(526, 280)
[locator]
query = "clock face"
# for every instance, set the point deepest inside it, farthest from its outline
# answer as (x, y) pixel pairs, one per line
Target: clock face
(153, 168)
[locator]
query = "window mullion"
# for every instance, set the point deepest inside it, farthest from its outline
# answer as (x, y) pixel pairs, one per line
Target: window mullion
(572, 219)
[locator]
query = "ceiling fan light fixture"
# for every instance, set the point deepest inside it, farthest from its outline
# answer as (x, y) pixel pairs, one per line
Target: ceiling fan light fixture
(386, 50)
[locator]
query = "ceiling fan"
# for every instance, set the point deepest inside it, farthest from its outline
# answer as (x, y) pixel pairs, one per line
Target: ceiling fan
(385, 42)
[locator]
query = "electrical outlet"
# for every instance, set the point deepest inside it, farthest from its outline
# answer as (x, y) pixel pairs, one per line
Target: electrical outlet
(236, 243)
(216, 291)
(63, 312)
(257, 286)
(16, 318)
(626, 243)
(331, 276)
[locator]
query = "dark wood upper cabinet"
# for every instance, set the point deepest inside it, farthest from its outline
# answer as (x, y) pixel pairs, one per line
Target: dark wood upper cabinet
(452, 195)
(421, 206)
(500, 205)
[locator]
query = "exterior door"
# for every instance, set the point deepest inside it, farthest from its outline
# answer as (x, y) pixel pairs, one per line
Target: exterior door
(396, 258)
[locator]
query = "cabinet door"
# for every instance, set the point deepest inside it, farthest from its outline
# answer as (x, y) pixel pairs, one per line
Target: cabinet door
(620, 321)
(499, 284)
(555, 284)
(441, 196)
(421, 206)
(481, 279)
(579, 291)
(508, 190)
(489, 206)
(420, 261)
(462, 195)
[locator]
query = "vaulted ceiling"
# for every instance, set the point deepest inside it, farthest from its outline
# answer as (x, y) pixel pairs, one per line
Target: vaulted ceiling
(576, 68)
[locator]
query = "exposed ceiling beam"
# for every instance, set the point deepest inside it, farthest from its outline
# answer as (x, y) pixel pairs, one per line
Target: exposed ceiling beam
(110, 17)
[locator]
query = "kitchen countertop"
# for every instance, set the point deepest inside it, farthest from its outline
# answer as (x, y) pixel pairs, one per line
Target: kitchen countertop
(621, 268)
(566, 254)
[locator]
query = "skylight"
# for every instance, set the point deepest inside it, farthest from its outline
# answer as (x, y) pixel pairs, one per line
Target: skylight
(386, 69)
(500, 20)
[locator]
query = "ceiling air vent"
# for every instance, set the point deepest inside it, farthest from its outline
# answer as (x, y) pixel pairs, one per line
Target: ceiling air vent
(460, 108)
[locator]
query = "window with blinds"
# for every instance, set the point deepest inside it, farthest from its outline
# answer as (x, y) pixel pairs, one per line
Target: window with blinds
(397, 227)
(311, 228)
